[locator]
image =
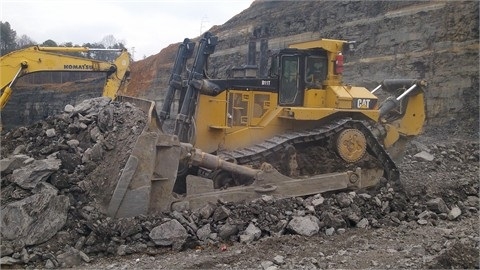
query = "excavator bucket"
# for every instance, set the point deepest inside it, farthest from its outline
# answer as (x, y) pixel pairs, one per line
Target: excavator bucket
(146, 183)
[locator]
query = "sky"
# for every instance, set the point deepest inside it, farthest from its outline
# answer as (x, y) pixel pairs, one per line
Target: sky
(144, 26)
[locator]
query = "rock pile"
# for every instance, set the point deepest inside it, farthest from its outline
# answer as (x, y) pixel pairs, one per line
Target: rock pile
(56, 173)
(58, 165)
(443, 169)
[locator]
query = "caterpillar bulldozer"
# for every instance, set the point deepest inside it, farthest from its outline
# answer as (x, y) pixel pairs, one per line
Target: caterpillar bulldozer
(295, 130)
(56, 59)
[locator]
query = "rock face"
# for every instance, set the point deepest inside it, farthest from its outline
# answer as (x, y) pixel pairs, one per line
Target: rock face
(394, 40)
(437, 41)
(31, 102)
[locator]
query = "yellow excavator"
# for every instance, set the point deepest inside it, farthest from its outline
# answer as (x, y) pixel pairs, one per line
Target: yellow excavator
(292, 131)
(55, 59)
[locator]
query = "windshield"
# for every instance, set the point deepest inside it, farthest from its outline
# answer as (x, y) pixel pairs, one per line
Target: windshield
(316, 70)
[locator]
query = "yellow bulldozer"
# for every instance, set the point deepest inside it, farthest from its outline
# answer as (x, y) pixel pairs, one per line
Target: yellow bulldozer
(292, 131)
(288, 128)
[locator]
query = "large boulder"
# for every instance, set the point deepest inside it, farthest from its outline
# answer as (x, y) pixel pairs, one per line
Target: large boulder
(307, 225)
(8, 165)
(30, 175)
(170, 233)
(36, 218)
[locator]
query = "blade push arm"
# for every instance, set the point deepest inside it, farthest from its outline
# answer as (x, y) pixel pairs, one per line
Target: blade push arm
(185, 51)
(183, 125)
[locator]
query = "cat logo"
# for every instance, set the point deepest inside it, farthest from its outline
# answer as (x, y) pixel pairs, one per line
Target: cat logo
(363, 103)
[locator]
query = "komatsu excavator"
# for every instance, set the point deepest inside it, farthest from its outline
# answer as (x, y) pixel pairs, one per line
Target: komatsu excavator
(54, 59)
(295, 131)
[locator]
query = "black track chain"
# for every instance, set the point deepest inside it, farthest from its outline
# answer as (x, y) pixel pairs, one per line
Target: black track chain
(279, 143)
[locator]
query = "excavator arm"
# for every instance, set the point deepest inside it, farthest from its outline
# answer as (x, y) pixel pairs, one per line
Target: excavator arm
(52, 59)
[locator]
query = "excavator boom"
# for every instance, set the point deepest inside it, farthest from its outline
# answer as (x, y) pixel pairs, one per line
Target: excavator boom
(53, 59)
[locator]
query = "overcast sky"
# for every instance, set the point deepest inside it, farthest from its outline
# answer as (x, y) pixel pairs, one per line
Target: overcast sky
(146, 25)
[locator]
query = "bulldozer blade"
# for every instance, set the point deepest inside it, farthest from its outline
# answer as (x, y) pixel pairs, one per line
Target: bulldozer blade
(147, 179)
(148, 106)
(168, 152)
(146, 183)
(132, 193)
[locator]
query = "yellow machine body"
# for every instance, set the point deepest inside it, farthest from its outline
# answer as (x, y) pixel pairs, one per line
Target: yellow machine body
(238, 118)
(54, 59)
(206, 159)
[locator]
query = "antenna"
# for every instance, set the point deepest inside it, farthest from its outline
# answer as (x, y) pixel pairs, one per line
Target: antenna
(133, 52)
(202, 23)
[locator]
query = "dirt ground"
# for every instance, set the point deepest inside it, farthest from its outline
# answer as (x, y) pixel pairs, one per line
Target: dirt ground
(408, 246)
(436, 244)
(429, 221)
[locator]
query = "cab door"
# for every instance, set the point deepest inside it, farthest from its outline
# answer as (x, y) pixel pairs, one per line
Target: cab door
(290, 92)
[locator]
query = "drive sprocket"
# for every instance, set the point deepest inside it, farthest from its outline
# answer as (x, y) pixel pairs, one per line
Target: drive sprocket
(351, 145)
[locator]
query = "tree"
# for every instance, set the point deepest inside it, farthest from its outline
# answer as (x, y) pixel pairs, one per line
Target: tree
(109, 41)
(94, 54)
(24, 41)
(7, 38)
(49, 43)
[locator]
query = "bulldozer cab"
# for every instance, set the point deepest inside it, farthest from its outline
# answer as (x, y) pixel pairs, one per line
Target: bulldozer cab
(299, 70)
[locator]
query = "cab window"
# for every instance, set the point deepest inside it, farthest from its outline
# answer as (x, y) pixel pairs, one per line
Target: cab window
(316, 71)
(289, 80)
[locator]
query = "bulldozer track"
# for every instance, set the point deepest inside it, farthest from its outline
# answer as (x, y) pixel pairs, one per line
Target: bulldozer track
(260, 151)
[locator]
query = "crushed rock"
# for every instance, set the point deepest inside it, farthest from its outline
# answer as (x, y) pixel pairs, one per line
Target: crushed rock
(93, 140)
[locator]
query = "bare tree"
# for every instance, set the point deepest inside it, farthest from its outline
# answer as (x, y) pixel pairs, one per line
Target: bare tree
(24, 41)
(109, 41)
